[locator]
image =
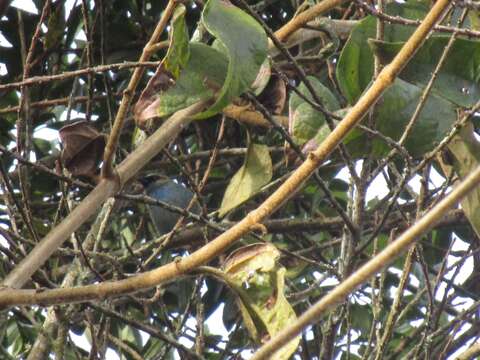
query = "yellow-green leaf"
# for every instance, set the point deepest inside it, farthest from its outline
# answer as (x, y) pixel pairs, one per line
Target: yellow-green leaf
(259, 283)
(466, 158)
(254, 173)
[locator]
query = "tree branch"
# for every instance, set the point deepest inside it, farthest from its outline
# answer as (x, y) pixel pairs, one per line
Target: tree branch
(105, 189)
(107, 169)
(255, 217)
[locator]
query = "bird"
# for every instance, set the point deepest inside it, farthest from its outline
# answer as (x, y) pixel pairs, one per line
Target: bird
(171, 192)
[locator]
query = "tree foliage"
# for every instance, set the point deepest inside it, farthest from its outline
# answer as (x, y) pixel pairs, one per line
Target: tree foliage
(259, 103)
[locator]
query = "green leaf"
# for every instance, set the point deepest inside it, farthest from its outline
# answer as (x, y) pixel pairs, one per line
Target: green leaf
(255, 172)
(138, 137)
(246, 44)
(355, 64)
(198, 81)
(361, 318)
(193, 72)
(474, 18)
(168, 72)
(259, 283)
(178, 54)
(127, 234)
(14, 337)
(395, 109)
(458, 79)
(466, 157)
(177, 294)
(152, 348)
(304, 120)
(436, 248)
(131, 335)
(392, 114)
(56, 27)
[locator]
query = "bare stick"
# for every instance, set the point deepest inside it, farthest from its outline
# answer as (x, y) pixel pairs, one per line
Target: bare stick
(251, 221)
(107, 169)
(105, 189)
(383, 259)
(36, 80)
(303, 18)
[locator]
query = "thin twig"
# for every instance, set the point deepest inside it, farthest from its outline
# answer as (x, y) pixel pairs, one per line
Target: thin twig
(37, 80)
(111, 146)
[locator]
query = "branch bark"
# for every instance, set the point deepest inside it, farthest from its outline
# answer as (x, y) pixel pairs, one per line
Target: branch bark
(250, 222)
(382, 260)
(105, 189)
(304, 17)
(110, 148)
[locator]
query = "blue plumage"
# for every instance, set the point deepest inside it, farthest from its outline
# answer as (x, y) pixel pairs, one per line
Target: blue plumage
(174, 194)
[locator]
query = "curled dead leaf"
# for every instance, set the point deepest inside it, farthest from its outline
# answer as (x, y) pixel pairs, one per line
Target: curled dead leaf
(247, 253)
(83, 148)
(259, 282)
(146, 107)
